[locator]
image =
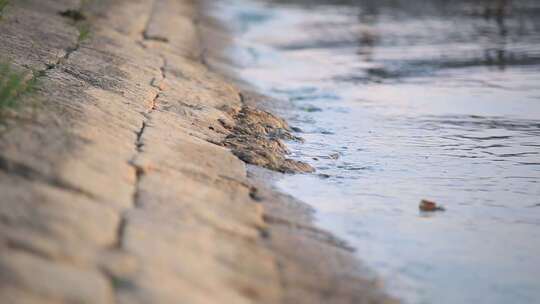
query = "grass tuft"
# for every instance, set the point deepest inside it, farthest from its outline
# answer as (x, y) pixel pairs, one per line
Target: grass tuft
(14, 85)
(84, 31)
(3, 4)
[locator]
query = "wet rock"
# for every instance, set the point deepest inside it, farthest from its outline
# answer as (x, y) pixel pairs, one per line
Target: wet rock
(257, 139)
(429, 206)
(296, 129)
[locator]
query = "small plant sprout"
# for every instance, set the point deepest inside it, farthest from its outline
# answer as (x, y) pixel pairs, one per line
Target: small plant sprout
(14, 85)
(3, 4)
(84, 31)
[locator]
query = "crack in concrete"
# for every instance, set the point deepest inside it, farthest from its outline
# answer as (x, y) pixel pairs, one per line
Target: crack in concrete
(51, 66)
(139, 148)
(139, 173)
(139, 142)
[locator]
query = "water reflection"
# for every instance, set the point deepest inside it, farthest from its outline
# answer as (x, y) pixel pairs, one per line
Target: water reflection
(404, 100)
(490, 27)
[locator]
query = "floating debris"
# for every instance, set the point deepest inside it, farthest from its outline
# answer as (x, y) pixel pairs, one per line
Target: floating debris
(311, 109)
(429, 206)
(334, 156)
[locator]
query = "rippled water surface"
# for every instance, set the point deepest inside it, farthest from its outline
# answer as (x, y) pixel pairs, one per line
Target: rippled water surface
(404, 100)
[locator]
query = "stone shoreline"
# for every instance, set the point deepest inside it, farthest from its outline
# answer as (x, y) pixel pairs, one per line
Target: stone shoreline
(118, 180)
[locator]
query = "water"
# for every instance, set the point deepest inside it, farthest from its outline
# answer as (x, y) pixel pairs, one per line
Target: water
(404, 100)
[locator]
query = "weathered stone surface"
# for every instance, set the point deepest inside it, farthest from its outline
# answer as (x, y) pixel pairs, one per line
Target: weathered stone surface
(162, 30)
(34, 39)
(117, 187)
(23, 275)
(64, 215)
(196, 86)
(257, 138)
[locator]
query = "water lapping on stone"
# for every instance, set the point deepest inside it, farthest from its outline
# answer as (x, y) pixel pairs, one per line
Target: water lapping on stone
(404, 100)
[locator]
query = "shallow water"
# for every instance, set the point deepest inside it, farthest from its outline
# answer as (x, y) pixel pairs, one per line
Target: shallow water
(404, 100)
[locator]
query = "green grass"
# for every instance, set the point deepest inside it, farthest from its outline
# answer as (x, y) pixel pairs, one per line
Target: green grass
(14, 85)
(3, 4)
(84, 31)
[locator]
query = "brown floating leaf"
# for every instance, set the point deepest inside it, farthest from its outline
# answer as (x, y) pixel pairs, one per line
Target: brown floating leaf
(429, 206)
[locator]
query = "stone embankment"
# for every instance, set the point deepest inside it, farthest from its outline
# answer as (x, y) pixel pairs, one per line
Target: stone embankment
(118, 181)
